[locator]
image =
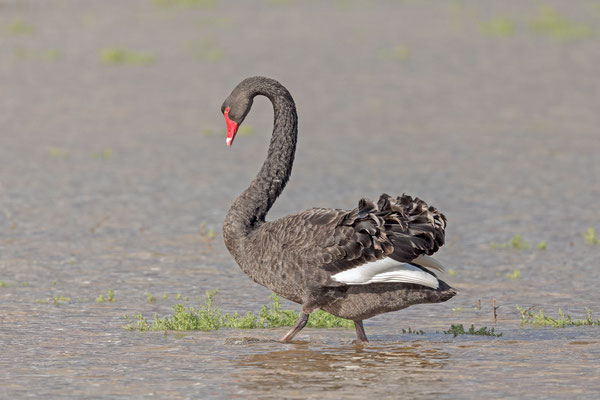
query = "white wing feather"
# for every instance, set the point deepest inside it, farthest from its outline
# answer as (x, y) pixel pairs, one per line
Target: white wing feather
(387, 270)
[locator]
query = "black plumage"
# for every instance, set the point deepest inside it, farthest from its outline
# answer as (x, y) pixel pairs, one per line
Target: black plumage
(297, 256)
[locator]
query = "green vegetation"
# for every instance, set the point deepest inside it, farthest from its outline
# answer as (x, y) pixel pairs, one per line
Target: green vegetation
(22, 53)
(110, 297)
(516, 242)
(542, 245)
(207, 50)
(206, 236)
(57, 152)
(499, 27)
(105, 154)
(590, 236)
(451, 272)
(18, 27)
(185, 3)
(514, 274)
(541, 319)
(56, 300)
(413, 332)
(119, 56)
(4, 284)
(460, 330)
(151, 299)
(208, 317)
(401, 53)
(549, 22)
(457, 309)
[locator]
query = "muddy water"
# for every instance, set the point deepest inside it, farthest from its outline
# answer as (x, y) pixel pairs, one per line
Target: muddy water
(109, 172)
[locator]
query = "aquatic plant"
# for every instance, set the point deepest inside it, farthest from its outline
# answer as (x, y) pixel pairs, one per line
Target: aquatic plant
(61, 299)
(541, 319)
(109, 298)
(22, 53)
(401, 53)
(206, 236)
(57, 152)
(185, 3)
(499, 27)
(549, 22)
(118, 55)
(150, 299)
(208, 317)
(542, 245)
(514, 274)
(516, 242)
(207, 50)
(410, 331)
(105, 154)
(590, 236)
(460, 330)
(18, 27)
(4, 284)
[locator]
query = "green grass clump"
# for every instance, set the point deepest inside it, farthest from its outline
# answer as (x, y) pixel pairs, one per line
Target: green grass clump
(22, 53)
(105, 154)
(185, 3)
(401, 53)
(109, 298)
(410, 331)
(460, 330)
(119, 56)
(549, 22)
(516, 242)
(590, 236)
(541, 319)
(542, 245)
(18, 27)
(499, 27)
(150, 299)
(4, 284)
(57, 300)
(208, 318)
(207, 50)
(514, 274)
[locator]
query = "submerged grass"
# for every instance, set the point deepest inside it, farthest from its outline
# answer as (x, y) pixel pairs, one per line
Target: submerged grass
(401, 53)
(549, 22)
(590, 236)
(516, 242)
(499, 27)
(541, 319)
(460, 330)
(207, 50)
(120, 56)
(514, 274)
(110, 297)
(208, 317)
(18, 27)
(185, 3)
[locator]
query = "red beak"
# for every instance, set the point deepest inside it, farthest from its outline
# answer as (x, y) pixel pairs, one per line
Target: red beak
(232, 127)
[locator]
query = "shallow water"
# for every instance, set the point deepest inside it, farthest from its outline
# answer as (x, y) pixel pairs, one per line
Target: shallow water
(109, 171)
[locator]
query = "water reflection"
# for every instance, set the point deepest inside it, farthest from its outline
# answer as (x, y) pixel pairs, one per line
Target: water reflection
(385, 368)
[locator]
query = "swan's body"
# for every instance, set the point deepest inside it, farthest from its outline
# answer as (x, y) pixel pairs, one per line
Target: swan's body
(354, 264)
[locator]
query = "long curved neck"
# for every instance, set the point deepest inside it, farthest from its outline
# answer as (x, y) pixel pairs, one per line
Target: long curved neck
(250, 208)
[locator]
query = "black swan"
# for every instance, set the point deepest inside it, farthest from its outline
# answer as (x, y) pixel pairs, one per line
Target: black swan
(354, 264)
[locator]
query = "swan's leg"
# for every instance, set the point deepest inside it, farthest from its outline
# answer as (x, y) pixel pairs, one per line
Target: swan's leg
(360, 332)
(300, 323)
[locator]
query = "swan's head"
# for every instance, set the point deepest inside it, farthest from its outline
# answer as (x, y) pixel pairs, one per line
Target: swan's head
(235, 108)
